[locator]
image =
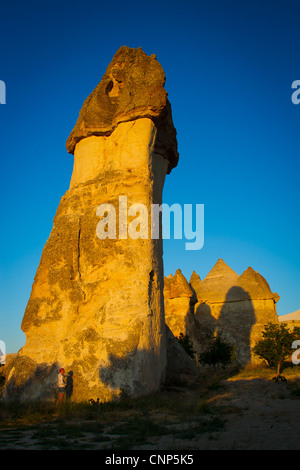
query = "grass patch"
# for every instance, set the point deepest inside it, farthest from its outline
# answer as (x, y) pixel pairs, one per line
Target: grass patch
(255, 370)
(266, 372)
(173, 415)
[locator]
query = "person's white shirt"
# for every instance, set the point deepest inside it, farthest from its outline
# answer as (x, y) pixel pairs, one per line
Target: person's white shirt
(61, 382)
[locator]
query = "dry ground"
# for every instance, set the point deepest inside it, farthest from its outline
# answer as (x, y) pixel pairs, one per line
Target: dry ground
(238, 412)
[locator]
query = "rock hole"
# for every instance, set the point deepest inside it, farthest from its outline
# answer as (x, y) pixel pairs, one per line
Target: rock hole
(109, 87)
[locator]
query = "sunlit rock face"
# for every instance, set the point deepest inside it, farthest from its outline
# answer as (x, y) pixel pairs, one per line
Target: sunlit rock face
(178, 295)
(132, 88)
(235, 307)
(96, 305)
(291, 319)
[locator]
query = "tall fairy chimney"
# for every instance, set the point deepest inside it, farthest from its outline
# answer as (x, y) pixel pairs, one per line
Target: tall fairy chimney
(96, 305)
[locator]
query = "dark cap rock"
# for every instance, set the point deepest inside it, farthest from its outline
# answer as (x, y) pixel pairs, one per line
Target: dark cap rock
(131, 88)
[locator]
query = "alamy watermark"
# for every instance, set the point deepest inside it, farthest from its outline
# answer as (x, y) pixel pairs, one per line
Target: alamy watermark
(2, 92)
(296, 354)
(296, 94)
(2, 352)
(188, 223)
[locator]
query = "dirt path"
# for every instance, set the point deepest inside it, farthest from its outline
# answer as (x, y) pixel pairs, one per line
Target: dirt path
(258, 414)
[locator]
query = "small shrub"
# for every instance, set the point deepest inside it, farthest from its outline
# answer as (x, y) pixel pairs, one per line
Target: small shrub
(187, 345)
(276, 346)
(220, 352)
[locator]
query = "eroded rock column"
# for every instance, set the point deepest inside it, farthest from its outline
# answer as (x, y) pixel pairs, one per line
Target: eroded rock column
(96, 305)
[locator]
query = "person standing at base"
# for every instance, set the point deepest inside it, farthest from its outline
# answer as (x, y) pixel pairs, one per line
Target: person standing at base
(69, 385)
(61, 386)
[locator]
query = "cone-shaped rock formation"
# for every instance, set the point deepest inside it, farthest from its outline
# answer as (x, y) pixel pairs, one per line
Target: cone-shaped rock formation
(236, 307)
(177, 296)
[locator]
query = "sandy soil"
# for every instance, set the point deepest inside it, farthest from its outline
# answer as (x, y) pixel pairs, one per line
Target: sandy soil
(258, 414)
(242, 413)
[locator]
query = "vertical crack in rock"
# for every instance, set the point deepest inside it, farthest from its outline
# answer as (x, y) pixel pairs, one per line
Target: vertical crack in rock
(78, 261)
(150, 290)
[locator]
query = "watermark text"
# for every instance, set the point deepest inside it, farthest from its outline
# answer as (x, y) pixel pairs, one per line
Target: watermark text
(2, 352)
(296, 354)
(2, 92)
(296, 94)
(135, 222)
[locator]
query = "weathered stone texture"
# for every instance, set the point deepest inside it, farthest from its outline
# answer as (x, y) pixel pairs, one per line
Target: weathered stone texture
(96, 305)
(131, 88)
(178, 296)
(181, 368)
(236, 307)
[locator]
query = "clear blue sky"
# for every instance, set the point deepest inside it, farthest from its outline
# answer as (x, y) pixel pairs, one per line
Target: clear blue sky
(229, 66)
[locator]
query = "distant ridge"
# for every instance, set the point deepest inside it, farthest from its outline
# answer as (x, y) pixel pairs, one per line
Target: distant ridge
(290, 316)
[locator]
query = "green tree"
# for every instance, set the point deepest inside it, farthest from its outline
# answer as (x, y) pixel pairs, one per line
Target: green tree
(220, 352)
(275, 347)
(187, 345)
